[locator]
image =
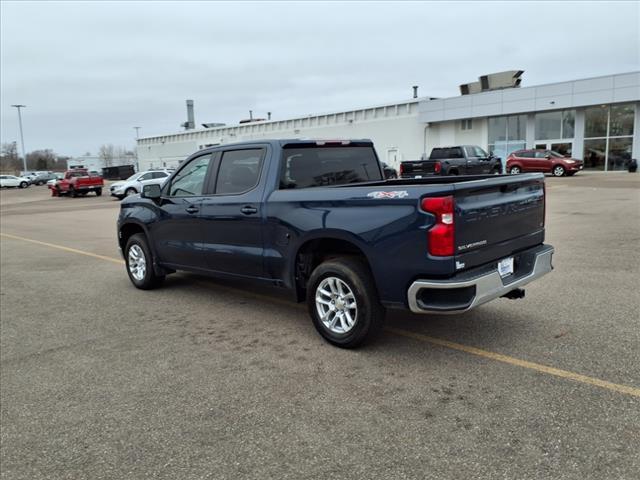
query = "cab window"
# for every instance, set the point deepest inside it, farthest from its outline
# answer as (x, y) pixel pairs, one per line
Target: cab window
(239, 171)
(189, 181)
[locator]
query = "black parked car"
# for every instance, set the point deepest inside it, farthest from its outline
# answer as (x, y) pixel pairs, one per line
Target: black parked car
(389, 172)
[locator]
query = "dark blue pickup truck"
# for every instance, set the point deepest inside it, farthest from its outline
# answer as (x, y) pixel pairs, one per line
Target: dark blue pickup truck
(318, 219)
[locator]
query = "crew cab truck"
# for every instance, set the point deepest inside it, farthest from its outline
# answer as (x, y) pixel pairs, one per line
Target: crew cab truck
(318, 219)
(459, 160)
(77, 182)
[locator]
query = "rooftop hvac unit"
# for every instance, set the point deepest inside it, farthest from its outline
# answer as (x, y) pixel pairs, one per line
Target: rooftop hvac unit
(493, 81)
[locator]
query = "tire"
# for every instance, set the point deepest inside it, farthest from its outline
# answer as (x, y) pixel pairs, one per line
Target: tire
(558, 171)
(24, 184)
(130, 191)
(497, 171)
(355, 326)
(72, 192)
(515, 170)
(98, 192)
(393, 176)
(137, 255)
(452, 172)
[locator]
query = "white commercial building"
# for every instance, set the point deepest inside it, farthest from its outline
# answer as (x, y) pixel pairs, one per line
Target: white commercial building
(597, 119)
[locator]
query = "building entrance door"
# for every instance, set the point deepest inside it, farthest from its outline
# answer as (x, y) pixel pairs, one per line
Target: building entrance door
(393, 158)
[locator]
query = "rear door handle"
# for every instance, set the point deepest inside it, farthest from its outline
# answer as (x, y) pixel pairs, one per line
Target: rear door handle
(249, 210)
(192, 209)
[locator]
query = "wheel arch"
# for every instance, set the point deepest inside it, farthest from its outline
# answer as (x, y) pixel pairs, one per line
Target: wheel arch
(316, 249)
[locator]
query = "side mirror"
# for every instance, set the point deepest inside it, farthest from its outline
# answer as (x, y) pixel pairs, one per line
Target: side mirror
(547, 156)
(152, 192)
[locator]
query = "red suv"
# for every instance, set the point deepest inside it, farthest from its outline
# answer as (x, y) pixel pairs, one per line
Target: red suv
(546, 161)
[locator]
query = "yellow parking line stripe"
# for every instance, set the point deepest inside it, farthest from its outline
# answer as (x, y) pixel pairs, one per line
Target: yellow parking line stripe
(577, 377)
(596, 382)
(66, 249)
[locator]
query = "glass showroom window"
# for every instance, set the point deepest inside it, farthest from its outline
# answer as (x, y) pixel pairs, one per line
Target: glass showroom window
(608, 135)
(507, 134)
(555, 130)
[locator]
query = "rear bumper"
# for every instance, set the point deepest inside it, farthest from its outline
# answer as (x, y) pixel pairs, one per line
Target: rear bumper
(471, 289)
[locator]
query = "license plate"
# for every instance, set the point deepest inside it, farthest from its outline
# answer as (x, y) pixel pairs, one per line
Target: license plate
(505, 267)
(418, 176)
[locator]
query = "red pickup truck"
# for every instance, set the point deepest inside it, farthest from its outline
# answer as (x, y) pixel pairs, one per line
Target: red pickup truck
(77, 182)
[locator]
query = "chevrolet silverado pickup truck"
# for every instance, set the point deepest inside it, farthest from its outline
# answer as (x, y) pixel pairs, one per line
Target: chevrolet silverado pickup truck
(459, 160)
(318, 219)
(77, 182)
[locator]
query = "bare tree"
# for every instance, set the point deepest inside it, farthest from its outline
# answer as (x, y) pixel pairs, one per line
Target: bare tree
(9, 160)
(107, 154)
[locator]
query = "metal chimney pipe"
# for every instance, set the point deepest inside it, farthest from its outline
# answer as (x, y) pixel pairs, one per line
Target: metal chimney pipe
(415, 91)
(268, 115)
(191, 122)
(251, 115)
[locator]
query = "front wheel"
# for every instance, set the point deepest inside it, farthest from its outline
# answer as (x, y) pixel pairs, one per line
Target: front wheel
(98, 192)
(558, 171)
(139, 262)
(343, 302)
(130, 191)
(515, 170)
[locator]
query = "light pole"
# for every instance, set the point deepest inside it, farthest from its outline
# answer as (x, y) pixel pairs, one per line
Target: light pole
(137, 129)
(24, 153)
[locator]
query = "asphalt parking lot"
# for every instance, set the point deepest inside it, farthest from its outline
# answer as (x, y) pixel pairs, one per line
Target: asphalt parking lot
(203, 380)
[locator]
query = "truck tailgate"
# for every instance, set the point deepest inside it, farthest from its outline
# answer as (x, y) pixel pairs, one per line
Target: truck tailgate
(418, 168)
(497, 217)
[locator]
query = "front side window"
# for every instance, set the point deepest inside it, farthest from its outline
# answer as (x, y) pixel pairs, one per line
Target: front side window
(322, 166)
(146, 176)
(190, 180)
(239, 171)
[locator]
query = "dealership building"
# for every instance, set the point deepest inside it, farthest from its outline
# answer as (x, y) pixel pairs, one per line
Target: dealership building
(596, 119)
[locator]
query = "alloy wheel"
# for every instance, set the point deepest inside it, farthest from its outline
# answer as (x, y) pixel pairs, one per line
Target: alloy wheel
(336, 305)
(137, 263)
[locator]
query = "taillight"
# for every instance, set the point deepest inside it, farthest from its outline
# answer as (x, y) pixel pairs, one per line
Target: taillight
(437, 168)
(442, 235)
(401, 169)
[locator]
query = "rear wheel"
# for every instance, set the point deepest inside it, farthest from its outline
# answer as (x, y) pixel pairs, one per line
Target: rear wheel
(98, 192)
(558, 171)
(24, 184)
(343, 302)
(139, 262)
(515, 170)
(72, 192)
(497, 171)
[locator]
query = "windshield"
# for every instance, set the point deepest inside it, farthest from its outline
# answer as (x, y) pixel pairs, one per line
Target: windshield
(555, 154)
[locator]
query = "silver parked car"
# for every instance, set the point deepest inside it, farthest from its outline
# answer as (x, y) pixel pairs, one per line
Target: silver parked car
(133, 184)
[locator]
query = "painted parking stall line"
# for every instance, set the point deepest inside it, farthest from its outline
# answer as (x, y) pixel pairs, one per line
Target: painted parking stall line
(557, 372)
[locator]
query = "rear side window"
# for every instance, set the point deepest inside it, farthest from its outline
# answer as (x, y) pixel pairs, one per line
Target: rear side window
(158, 175)
(146, 176)
(190, 180)
(239, 171)
(321, 166)
(441, 153)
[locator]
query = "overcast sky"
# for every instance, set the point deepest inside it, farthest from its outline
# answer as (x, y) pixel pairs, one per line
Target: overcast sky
(90, 72)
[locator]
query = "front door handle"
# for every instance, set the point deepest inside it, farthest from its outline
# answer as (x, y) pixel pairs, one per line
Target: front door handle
(192, 209)
(249, 210)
